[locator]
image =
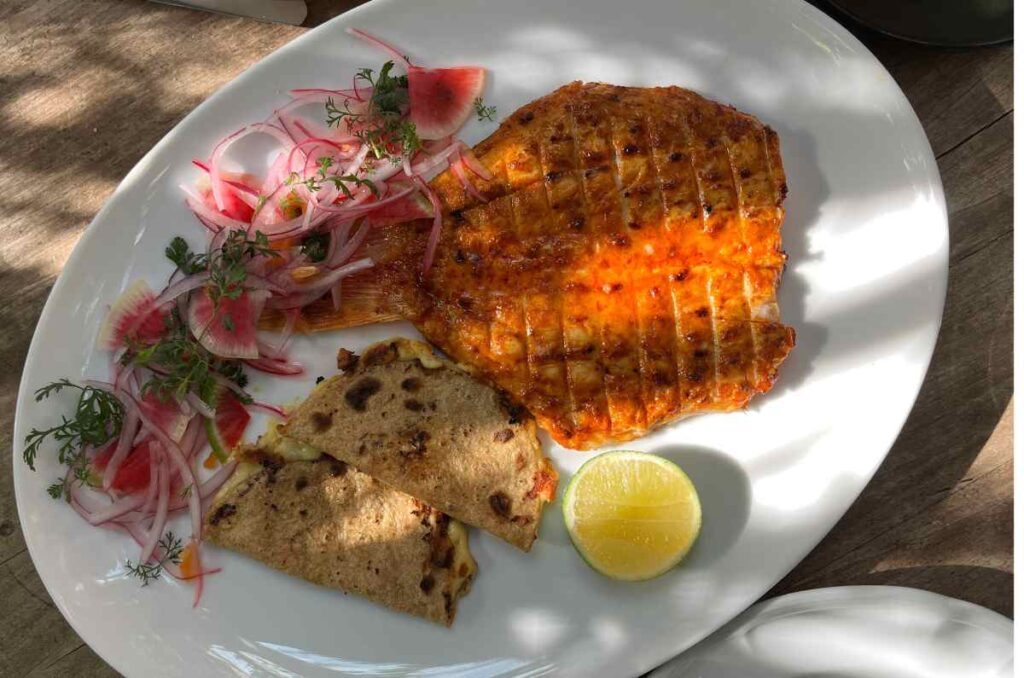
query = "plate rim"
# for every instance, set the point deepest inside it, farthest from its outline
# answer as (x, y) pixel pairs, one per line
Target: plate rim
(649, 656)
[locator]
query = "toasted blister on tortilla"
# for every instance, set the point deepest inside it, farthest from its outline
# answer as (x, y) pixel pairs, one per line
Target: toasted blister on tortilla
(315, 517)
(416, 421)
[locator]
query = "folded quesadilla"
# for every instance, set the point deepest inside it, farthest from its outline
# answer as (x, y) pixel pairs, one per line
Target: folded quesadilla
(317, 518)
(417, 422)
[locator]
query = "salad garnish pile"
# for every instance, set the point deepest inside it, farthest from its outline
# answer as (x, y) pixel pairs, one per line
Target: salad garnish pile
(278, 240)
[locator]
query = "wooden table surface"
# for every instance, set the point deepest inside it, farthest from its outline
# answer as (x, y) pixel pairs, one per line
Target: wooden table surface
(88, 86)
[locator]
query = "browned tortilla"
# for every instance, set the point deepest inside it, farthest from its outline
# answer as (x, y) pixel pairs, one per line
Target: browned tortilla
(418, 423)
(334, 526)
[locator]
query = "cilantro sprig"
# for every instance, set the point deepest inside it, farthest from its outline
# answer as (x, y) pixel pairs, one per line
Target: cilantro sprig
(180, 364)
(170, 548)
(226, 264)
(315, 246)
(484, 112)
(383, 126)
(96, 420)
(340, 181)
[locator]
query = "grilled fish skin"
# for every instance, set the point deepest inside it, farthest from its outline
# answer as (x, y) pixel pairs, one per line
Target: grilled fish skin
(620, 271)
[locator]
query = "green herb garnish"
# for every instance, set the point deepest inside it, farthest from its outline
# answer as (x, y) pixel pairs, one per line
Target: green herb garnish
(315, 246)
(59, 490)
(383, 126)
(225, 264)
(340, 181)
(181, 364)
(171, 547)
(96, 421)
(484, 112)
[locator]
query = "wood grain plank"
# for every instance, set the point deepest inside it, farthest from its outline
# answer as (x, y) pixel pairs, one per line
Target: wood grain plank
(32, 630)
(80, 663)
(955, 92)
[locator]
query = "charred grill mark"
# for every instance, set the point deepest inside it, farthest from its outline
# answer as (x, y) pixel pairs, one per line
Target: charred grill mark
(358, 395)
(321, 421)
(660, 378)
(415, 447)
(619, 239)
(501, 504)
(745, 242)
(380, 354)
(504, 435)
(223, 512)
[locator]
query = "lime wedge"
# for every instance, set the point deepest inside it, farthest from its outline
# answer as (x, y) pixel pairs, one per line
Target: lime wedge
(631, 515)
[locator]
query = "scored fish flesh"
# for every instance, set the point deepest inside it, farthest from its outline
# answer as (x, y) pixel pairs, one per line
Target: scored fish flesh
(618, 271)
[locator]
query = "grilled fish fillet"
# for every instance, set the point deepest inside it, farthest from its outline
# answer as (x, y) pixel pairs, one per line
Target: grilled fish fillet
(618, 272)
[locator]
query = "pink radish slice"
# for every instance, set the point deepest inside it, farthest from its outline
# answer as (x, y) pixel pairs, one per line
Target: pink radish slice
(134, 318)
(441, 99)
(227, 328)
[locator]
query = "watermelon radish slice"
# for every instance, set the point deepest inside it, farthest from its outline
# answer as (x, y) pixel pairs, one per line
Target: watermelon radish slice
(227, 329)
(441, 99)
(165, 413)
(133, 474)
(133, 319)
(227, 429)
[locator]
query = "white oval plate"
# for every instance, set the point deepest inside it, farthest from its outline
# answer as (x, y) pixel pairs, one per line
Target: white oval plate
(866, 231)
(855, 632)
